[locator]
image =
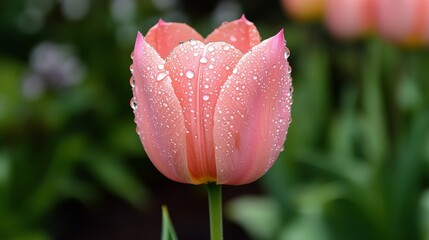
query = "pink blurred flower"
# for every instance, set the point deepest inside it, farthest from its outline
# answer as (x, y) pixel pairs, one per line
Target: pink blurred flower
(214, 109)
(349, 18)
(404, 21)
(304, 10)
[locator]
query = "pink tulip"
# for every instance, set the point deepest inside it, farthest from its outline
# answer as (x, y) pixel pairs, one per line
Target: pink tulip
(214, 109)
(404, 21)
(349, 18)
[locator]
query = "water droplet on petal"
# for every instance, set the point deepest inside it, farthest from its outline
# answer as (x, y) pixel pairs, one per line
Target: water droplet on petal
(161, 76)
(206, 86)
(133, 103)
(131, 69)
(233, 38)
(234, 71)
(160, 66)
(206, 97)
(227, 47)
(287, 54)
(289, 69)
(193, 42)
(203, 60)
(210, 48)
(132, 55)
(211, 66)
(189, 74)
(132, 82)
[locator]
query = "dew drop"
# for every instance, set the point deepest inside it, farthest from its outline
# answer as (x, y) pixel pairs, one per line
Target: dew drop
(255, 77)
(133, 103)
(206, 85)
(203, 60)
(227, 47)
(282, 149)
(206, 97)
(234, 71)
(289, 69)
(189, 74)
(233, 38)
(132, 82)
(211, 66)
(161, 76)
(210, 48)
(287, 54)
(132, 55)
(193, 42)
(160, 66)
(131, 69)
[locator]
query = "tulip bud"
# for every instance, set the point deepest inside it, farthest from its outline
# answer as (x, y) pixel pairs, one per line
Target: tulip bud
(349, 19)
(214, 109)
(404, 21)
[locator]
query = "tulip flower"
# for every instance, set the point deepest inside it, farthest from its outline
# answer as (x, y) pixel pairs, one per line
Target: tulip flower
(349, 19)
(404, 21)
(214, 109)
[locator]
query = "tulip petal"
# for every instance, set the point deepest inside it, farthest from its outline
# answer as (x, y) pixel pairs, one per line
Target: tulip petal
(158, 113)
(165, 36)
(240, 33)
(198, 72)
(253, 113)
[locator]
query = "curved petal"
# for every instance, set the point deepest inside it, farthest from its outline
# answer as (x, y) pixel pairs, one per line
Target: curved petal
(253, 113)
(198, 71)
(240, 33)
(158, 113)
(165, 36)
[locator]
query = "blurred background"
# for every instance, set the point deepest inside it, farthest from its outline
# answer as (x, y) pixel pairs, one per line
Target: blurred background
(356, 159)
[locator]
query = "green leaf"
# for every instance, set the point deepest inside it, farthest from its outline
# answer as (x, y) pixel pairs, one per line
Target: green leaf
(116, 177)
(168, 232)
(305, 227)
(259, 216)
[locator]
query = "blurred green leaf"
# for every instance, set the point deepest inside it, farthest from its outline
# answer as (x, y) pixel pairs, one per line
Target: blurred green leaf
(305, 227)
(259, 216)
(424, 215)
(115, 176)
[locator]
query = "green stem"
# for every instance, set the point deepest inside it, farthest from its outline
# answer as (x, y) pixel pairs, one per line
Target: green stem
(215, 206)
